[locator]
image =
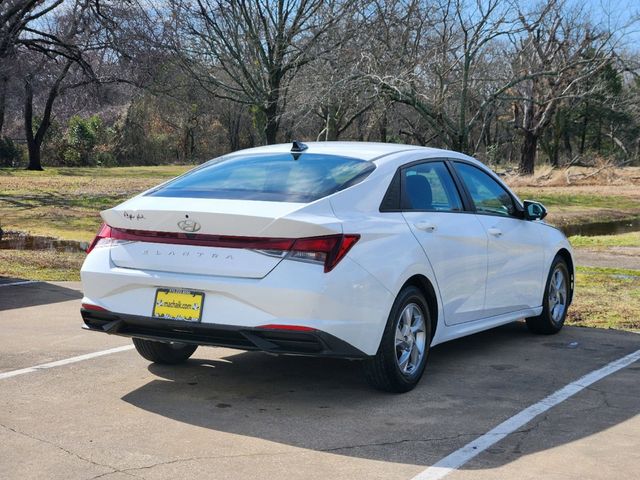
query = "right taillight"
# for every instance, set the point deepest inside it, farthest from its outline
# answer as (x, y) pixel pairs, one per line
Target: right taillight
(103, 233)
(327, 250)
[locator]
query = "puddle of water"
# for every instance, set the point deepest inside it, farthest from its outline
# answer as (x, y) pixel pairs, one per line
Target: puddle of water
(603, 228)
(622, 276)
(19, 241)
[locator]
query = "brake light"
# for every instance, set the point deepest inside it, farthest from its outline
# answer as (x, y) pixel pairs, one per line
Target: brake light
(327, 250)
(103, 233)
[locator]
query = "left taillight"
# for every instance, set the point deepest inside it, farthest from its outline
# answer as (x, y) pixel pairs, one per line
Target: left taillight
(103, 234)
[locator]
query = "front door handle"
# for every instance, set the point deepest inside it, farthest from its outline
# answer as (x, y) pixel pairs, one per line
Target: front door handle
(425, 226)
(496, 232)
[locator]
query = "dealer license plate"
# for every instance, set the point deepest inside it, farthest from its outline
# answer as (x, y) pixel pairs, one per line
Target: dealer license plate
(177, 304)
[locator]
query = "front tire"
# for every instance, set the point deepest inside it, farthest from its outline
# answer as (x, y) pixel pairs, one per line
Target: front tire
(402, 355)
(556, 300)
(165, 353)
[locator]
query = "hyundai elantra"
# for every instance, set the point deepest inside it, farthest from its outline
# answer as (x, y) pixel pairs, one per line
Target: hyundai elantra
(373, 252)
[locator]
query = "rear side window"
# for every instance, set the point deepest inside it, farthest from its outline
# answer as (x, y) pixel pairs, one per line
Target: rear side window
(281, 177)
(429, 186)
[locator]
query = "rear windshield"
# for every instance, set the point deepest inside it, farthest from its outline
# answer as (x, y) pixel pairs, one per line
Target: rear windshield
(280, 177)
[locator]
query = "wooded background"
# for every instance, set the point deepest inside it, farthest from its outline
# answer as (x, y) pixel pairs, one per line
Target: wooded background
(137, 82)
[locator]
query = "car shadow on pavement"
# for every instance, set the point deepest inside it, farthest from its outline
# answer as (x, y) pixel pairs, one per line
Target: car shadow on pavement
(470, 386)
(33, 294)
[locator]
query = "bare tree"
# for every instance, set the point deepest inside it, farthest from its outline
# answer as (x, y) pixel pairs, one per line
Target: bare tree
(328, 95)
(435, 53)
(48, 63)
(249, 52)
(555, 57)
(17, 18)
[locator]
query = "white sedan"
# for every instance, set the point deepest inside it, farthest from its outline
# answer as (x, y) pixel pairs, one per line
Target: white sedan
(365, 251)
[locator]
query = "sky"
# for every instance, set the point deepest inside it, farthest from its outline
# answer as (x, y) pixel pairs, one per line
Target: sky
(618, 14)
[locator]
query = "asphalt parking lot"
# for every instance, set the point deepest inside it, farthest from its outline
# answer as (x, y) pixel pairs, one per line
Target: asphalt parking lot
(233, 415)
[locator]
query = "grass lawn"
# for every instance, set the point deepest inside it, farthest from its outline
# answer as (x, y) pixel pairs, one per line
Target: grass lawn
(65, 202)
(606, 298)
(41, 265)
(631, 239)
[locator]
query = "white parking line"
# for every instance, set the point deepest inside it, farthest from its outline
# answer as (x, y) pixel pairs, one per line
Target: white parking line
(66, 361)
(455, 460)
(21, 282)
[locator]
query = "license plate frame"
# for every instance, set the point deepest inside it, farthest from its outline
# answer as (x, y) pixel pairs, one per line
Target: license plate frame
(181, 296)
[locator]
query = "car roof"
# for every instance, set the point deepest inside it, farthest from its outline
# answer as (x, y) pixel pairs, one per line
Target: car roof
(370, 151)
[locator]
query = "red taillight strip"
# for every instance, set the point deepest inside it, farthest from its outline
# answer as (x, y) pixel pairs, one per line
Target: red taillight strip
(292, 328)
(95, 308)
(334, 247)
(203, 240)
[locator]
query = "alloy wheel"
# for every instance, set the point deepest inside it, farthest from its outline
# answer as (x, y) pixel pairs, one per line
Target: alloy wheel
(410, 339)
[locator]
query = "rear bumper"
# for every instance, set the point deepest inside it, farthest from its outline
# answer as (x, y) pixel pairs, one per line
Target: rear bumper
(310, 343)
(347, 303)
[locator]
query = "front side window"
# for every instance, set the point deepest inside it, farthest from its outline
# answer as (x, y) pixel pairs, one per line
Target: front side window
(429, 186)
(488, 195)
(277, 177)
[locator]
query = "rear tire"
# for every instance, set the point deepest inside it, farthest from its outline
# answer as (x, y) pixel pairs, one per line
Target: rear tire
(165, 353)
(555, 302)
(402, 355)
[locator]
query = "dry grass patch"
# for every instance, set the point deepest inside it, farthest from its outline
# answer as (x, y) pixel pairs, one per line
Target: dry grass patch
(605, 242)
(606, 298)
(43, 265)
(65, 202)
(602, 173)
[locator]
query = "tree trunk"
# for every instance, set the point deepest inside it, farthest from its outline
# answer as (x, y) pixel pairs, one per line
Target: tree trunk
(34, 149)
(554, 156)
(383, 127)
(34, 140)
(567, 143)
(583, 133)
(331, 126)
(271, 124)
(272, 109)
(463, 135)
(528, 153)
(33, 146)
(233, 132)
(3, 97)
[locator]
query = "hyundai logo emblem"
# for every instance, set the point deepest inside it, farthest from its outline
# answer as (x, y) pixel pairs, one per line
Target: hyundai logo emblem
(189, 226)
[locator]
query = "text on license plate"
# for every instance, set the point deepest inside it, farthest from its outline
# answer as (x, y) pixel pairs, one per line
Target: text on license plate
(177, 304)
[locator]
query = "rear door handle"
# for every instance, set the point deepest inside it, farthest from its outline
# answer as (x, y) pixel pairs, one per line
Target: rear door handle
(425, 226)
(496, 232)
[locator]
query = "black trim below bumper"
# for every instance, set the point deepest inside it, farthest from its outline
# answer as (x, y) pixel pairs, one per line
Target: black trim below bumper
(313, 343)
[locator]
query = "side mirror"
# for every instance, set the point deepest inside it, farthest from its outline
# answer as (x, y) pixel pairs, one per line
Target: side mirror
(534, 210)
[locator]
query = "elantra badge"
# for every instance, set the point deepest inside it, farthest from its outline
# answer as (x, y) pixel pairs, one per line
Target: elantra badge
(189, 226)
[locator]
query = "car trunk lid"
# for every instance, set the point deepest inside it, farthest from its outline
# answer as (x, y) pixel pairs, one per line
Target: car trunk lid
(235, 238)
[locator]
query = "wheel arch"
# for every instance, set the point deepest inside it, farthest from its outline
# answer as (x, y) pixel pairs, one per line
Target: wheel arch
(426, 287)
(568, 258)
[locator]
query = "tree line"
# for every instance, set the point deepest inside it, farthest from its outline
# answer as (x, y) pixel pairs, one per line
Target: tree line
(105, 82)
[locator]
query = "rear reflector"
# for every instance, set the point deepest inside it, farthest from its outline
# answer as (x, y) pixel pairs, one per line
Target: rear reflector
(291, 328)
(327, 250)
(95, 308)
